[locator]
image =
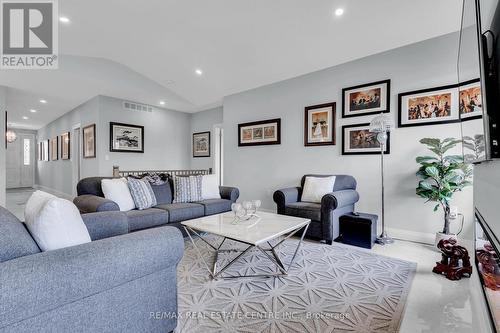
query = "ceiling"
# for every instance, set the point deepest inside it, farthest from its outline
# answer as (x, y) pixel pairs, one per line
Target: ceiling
(148, 51)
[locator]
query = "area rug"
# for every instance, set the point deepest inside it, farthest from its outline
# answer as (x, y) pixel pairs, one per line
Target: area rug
(329, 288)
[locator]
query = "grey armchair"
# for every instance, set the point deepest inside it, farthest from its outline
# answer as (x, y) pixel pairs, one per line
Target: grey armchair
(325, 215)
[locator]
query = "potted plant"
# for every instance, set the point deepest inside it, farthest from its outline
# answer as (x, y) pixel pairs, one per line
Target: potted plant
(440, 176)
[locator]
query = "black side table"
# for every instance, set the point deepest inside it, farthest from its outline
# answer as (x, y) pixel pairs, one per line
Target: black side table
(358, 229)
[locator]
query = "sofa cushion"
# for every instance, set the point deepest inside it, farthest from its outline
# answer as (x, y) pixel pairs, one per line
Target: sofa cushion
(117, 190)
(308, 210)
(15, 240)
(147, 218)
(187, 189)
(183, 211)
(163, 193)
(142, 193)
(90, 185)
(216, 206)
(342, 182)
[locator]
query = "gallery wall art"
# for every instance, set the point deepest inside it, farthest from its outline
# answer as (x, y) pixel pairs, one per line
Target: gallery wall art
(126, 138)
(319, 125)
(471, 105)
(89, 141)
(366, 99)
(358, 140)
(65, 146)
(54, 149)
(265, 132)
(201, 144)
(428, 106)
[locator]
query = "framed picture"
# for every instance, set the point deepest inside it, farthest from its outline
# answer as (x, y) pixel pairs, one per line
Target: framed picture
(65, 144)
(366, 99)
(54, 149)
(471, 105)
(89, 141)
(358, 140)
(126, 138)
(201, 144)
(428, 107)
(265, 132)
(319, 125)
(39, 150)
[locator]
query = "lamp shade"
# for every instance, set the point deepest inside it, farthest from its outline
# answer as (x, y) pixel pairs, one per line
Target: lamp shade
(382, 123)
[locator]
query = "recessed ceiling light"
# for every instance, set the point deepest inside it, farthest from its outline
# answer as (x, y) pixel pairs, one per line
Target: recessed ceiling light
(25, 118)
(64, 19)
(43, 101)
(339, 12)
(198, 71)
(33, 111)
(162, 102)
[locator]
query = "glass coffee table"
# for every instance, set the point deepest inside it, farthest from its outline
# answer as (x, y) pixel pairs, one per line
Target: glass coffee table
(256, 233)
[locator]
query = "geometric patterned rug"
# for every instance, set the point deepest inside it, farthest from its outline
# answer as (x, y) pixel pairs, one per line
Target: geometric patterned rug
(329, 288)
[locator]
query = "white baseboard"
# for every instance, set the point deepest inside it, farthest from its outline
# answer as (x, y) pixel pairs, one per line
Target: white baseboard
(54, 192)
(412, 236)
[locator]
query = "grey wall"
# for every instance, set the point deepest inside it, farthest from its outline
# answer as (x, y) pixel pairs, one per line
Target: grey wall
(57, 175)
(167, 138)
(167, 142)
(202, 122)
(3, 167)
(258, 171)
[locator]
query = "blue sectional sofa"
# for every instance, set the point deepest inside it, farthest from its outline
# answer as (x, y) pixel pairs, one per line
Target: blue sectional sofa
(91, 199)
(113, 284)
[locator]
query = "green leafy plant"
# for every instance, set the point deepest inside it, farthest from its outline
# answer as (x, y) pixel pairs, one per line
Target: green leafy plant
(442, 175)
(476, 145)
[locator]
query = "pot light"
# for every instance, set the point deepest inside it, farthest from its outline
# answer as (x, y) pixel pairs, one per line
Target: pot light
(64, 19)
(198, 71)
(162, 102)
(43, 101)
(25, 118)
(339, 12)
(32, 110)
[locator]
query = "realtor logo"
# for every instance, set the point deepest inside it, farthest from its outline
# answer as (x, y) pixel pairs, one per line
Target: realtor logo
(29, 38)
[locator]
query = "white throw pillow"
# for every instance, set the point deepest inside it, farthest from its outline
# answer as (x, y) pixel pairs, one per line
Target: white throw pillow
(210, 187)
(316, 187)
(117, 190)
(54, 223)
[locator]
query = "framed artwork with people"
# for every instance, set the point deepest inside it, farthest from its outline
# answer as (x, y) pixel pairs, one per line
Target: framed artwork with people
(256, 133)
(358, 140)
(319, 125)
(428, 106)
(471, 105)
(366, 99)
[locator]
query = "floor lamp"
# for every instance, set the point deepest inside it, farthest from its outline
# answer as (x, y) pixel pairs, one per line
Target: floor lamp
(382, 125)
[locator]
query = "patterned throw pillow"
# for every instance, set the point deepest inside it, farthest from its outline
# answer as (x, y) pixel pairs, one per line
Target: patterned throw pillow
(187, 189)
(142, 193)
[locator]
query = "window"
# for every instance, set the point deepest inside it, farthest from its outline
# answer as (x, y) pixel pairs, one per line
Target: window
(26, 151)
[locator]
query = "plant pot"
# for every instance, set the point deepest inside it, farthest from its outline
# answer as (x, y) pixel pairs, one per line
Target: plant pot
(440, 235)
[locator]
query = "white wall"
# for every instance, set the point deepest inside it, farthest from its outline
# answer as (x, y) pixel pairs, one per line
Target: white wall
(258, 171)
(204, 121)
(166, 138)
(3, 167)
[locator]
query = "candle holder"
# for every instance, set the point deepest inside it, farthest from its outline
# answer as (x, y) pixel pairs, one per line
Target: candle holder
(245, 211)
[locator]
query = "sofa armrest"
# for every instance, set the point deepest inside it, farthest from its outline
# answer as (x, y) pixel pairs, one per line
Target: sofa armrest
(42, 282)
(229, 193)
(338, 199)
(89, 203)
(287, 195)
(105, 224)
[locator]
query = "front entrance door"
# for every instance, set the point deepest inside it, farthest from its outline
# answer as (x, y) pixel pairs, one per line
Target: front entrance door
(20, 161)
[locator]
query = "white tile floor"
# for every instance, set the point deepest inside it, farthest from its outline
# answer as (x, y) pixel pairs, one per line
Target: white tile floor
(435, 304)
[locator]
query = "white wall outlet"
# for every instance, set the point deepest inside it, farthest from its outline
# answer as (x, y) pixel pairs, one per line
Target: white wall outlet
(106, 157)
(453, 212)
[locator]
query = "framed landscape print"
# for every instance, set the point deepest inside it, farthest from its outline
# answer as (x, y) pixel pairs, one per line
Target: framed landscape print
(319, 125)
(54, 149)
(65, 144)
(366, 99)
(471, 105)
(428, 106)
(358, 140)
(201, 144)
(126, 138)
(265, 132)
(89, 143)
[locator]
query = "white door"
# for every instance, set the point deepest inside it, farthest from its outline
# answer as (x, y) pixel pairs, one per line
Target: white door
(20, 161)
